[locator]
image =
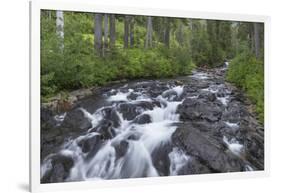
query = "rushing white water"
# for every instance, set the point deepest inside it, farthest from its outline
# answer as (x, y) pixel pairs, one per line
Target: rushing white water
(105, 164)
(200, 75)
(234, 146)
(232, 125)
(178, 160)
(178, 90)
(212, 89)
(224, 100)
(248, 168)
(59, 118)
(120, 96)
(94, 118)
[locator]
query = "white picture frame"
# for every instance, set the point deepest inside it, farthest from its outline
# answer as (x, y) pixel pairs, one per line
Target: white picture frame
(88, 6)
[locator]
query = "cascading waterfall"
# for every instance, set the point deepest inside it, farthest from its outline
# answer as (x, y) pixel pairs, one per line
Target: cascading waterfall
(139, 140)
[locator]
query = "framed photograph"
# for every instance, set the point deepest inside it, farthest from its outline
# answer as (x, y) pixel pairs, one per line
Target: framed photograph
(131, 96)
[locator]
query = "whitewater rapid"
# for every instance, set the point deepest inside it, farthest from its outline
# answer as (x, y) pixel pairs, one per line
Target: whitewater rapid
(148, 137)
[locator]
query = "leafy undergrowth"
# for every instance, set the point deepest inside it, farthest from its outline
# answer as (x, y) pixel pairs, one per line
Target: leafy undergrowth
(247, 72)
(72, 71)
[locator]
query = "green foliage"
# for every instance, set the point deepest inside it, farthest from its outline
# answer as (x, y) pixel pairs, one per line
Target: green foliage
(200, 47)
(211, 42)
(77, 65)
(247, 72)
(202, 42)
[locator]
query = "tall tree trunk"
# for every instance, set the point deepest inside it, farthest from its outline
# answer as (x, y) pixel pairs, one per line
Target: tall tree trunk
(112, 32)
(180, 35)
(132, 23)
(167, 32)
(105, 35)
(126, 31)
(251, 38)
(191, 37)
(149, 31)
(257, 39)
(50, 14)
(60, 28)
(98, 32)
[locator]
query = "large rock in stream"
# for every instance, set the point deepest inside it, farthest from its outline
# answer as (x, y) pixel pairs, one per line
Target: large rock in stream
(60, 168)
(76, 120)
(196, 109)
(196, 144)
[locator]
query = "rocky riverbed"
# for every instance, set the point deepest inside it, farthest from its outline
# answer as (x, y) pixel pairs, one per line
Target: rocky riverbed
(189, 125)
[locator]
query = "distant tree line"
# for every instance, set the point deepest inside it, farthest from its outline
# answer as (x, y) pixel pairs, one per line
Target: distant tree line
(214, 37)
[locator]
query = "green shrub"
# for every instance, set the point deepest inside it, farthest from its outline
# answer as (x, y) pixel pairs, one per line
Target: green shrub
(246, 72)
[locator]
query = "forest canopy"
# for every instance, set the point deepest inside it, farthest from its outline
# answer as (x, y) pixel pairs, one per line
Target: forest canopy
(80, 50)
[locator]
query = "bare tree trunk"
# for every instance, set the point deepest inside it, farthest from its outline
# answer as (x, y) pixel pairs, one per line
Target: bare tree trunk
(126, 31)
(167, 33)
(257, 39)
(60, 28)
(50, 14)
(132, 22)
(149, 31)
(180, 35)
(251, 37)
(112, 30)
(191, 36)
(105, 36)
(98, 32)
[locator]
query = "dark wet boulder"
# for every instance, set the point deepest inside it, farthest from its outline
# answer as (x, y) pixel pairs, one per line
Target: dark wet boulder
(132, 96)
(254, 150)
(142, 119)
(131, 110)
(90, 144)
(205, 126)
(235, 111)
(121, 148)
(171, 95)
(60, 169)
(46, 114)
(221, 93)
(156, 90)
(202, 85)
(47, 119)
(186, 110)
(106, 129)
(51, 134)
(111, 115)
(196, 144)
(212, 97)
(193, 166)
(134, 136)
(161, 160)
(194, 109)
(229, 132)
(91, 103)
(188, 89)
(75, 120)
